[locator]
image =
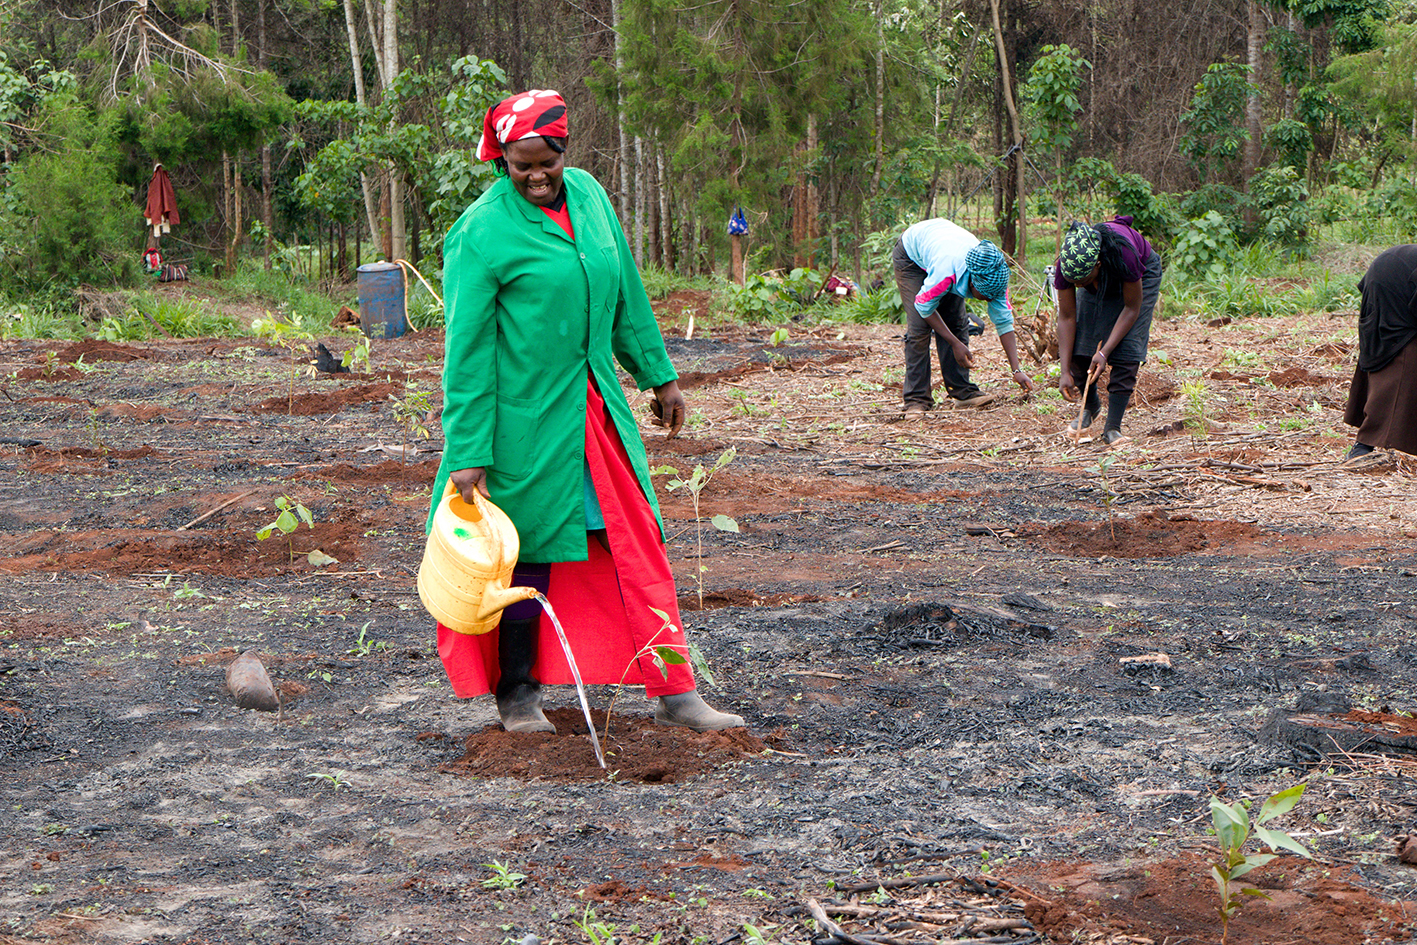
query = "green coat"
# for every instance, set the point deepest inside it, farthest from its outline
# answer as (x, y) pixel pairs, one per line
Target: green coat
(528, 311)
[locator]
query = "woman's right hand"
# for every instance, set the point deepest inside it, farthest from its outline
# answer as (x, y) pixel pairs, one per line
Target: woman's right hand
(466, 481)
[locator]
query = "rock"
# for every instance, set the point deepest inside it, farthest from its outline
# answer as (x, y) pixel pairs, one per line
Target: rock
(1407, 850)
(249, 683)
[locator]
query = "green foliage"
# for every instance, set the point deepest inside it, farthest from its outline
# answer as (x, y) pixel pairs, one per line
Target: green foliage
(435, 156)
(878, 307)
(178, 317)
(1051, 95)
(1214, 124)
(1233, 829)
(503, 876)
(1292, 140)
(1205, 246)
(696, 485)
(292, 513)
(67, 220)
(1280, 197)
(769, 298)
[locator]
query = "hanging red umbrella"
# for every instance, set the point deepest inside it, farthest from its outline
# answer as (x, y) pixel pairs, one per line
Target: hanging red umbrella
(161, 211)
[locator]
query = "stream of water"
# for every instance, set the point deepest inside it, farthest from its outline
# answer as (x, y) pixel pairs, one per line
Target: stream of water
(576, 674)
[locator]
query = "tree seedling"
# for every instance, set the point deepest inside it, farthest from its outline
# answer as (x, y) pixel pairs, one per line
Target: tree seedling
(359, 354)
(291, 335)
(695, 484)
(503, 877)
(409, 411)
(663, 655)
(1233, 828)
(292, 513)
(1109, 495)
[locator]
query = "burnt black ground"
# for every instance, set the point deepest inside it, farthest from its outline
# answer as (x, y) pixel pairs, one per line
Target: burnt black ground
(956, 698)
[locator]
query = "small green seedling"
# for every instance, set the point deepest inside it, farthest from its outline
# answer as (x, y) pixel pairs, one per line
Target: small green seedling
(1233, 828)
(334, 779)
(292, 513)
(1109, 494)
(409, 411)
(502, 877)
(695, 484)
(779, 336)
(363, 646)
(359, 354)
(293, 336)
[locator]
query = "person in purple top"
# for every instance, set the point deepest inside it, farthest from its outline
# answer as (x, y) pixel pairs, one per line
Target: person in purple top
(1108, 278)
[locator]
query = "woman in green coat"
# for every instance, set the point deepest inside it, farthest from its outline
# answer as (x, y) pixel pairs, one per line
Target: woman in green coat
(542, 299)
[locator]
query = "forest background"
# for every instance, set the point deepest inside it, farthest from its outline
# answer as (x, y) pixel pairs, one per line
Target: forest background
(306, 136)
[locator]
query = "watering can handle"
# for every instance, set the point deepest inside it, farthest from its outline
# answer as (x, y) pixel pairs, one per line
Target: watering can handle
(476, 508)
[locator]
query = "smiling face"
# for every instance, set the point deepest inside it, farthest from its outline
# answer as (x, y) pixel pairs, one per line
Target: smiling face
(535, 169)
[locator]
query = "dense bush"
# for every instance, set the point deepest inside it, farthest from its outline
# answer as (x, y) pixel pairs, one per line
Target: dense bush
(67, 220)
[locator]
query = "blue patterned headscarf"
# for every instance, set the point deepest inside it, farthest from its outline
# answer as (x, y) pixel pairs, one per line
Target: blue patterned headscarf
(988, 270)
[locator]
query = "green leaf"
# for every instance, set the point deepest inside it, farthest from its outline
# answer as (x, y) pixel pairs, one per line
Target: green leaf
(671, 655)
(1281, 803)
(724, 524)
(701, 666)
(286, 522)
(1279, 840)
(1249, 863)
(305, 515)
(265, 533)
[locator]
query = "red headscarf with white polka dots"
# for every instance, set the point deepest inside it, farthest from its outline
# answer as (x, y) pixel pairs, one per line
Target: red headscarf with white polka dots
(531, 114)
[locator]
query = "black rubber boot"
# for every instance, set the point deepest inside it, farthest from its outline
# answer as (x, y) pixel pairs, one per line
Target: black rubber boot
(689, 710)
(518, 692)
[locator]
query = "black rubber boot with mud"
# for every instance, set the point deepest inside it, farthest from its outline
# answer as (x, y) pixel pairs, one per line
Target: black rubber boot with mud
(689, 710)
(518, 691)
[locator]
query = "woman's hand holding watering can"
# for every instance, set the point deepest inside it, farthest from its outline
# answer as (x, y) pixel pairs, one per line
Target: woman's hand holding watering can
(467, 481)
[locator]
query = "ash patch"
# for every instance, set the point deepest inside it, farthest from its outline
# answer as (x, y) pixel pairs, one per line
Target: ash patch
(933, 625)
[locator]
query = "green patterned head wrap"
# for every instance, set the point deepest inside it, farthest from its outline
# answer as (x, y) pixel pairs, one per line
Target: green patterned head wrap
(1082, 248)
(988, 271)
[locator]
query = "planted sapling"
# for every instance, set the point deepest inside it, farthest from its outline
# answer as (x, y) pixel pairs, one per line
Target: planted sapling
(292, 513)
(695, 484)
(1233, 828)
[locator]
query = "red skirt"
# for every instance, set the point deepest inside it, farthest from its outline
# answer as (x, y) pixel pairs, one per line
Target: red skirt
(604, 603)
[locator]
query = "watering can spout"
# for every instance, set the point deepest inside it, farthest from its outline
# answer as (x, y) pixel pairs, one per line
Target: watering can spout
(496, 599)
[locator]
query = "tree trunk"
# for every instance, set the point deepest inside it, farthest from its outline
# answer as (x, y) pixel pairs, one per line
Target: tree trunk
(623, 201)
(357, 62)
(267, 218)
(813, 199)
(639, 201)
(880, 106)
(666, 230)
(1018, 166)
(1254, 47)
(397, 234)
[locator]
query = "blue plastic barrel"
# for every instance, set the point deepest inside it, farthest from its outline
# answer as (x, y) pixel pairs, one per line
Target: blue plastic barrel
(381, 304)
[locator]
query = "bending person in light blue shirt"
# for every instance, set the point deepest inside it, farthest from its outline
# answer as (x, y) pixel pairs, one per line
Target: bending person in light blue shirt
(937, 266)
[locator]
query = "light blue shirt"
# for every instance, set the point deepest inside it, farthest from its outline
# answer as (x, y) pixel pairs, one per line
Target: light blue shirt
(940, 247)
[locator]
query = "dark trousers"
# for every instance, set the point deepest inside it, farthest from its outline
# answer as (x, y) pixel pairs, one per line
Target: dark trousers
(909, 278)
(1121, 381)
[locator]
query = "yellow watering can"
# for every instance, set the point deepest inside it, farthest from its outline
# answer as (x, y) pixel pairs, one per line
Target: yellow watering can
(468, 562)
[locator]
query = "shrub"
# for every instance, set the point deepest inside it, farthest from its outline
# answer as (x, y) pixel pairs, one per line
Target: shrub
(1205, 246)
(70, 221)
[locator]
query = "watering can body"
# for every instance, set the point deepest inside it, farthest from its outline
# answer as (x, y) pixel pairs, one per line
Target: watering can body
(464, 580)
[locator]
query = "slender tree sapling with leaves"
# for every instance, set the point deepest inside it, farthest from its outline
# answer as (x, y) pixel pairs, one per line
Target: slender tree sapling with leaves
(695, 484)
(1233, 828)
(292, 513)
(291, 335)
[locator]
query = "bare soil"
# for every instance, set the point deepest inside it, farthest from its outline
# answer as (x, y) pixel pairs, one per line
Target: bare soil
(992, 676)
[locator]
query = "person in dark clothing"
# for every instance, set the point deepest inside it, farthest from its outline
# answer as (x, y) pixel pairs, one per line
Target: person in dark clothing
(1382, 398)
(1108, 279)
